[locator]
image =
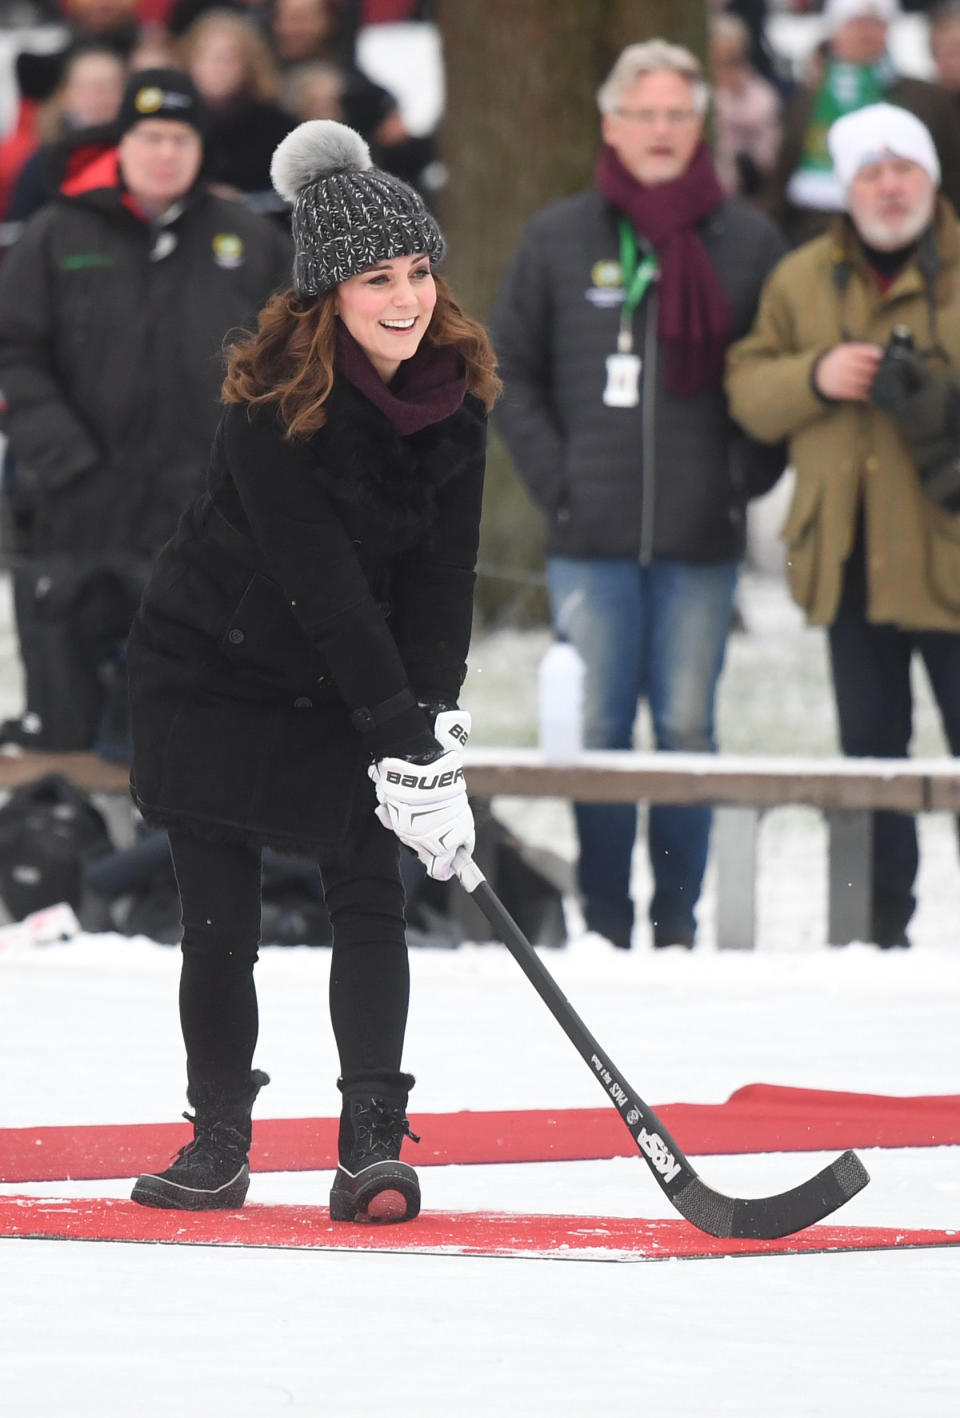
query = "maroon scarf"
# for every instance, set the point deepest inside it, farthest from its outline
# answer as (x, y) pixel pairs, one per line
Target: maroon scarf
(695, 318)
(426, 388)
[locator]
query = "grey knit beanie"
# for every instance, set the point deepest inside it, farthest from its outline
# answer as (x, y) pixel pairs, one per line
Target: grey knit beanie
(347, 214)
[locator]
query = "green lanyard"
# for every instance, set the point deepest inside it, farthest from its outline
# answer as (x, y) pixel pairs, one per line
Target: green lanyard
(637, 276)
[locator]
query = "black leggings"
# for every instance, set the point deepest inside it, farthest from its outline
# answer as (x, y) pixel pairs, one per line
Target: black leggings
(219, 887)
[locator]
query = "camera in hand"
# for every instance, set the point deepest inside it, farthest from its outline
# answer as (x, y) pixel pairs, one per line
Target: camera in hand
(899, 373)
(901, 341)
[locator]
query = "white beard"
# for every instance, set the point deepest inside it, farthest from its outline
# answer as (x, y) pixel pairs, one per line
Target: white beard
(885, 235)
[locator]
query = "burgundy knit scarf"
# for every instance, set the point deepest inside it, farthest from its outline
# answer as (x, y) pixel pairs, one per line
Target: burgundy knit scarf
(428, 387)
(695, 323)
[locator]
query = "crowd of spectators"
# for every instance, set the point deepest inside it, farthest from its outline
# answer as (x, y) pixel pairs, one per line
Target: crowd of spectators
(772, 111)
(223, 82)
(641, 457)
(262, 66)
(113, 306)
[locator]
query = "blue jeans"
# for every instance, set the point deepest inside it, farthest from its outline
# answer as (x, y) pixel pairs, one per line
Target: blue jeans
(657, 632)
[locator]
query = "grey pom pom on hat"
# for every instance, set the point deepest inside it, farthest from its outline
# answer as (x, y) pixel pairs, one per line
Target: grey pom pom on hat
(347, 214)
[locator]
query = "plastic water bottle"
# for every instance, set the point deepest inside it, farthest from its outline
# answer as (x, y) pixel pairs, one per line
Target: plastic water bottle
(562, 675)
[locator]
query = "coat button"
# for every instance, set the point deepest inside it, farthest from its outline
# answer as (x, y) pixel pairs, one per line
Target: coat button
(302, 702)
(236, 637)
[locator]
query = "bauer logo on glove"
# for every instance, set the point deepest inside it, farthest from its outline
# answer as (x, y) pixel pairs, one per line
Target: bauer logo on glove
(426, 783)
(460, 732)
(427, 807)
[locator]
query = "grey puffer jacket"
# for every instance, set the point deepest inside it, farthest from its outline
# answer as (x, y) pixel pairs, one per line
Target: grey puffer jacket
(668, 478)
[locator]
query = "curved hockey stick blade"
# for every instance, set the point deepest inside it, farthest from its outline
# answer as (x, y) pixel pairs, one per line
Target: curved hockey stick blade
(756, 1218)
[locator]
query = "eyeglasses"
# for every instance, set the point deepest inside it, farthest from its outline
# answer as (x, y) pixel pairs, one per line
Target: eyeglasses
(647, 117)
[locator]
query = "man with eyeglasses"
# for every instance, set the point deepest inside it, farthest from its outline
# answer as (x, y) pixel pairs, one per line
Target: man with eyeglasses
(611, 324)
(114, 303)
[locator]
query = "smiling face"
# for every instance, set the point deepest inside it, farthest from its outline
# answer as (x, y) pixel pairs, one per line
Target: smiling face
(387, 309)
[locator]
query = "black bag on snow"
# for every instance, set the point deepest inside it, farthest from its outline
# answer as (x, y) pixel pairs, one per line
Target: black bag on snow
(136, 889)
(49, 830)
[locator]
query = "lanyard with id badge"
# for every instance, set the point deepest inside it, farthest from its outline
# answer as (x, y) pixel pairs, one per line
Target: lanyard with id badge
(623, 368)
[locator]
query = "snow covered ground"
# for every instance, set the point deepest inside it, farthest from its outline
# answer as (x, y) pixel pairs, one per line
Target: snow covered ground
(88, 1034)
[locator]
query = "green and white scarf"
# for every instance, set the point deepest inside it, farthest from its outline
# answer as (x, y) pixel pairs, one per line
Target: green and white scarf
(843, 89)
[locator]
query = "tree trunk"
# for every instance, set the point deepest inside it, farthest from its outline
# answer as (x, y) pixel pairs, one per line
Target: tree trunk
(521, 128)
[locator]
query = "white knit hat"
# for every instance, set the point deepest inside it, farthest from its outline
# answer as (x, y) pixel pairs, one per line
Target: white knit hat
(837, 13)
(881, 130)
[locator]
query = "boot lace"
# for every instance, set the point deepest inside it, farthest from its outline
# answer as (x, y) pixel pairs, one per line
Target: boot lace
(210, 1137)
(380, 1127)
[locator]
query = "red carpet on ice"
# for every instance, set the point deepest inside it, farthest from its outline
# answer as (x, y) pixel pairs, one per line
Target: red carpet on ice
(758, 1118)
(433, 1233)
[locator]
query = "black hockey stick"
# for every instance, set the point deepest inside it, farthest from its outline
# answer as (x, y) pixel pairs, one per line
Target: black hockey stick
(756, 1218)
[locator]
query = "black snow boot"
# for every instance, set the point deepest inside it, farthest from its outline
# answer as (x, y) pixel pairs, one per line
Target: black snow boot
(211, 1172)
(372, 1184)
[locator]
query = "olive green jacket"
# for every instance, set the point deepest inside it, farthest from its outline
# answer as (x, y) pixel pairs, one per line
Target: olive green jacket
(848, 453)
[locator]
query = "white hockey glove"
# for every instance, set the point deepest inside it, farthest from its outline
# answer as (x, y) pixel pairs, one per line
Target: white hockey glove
(425, 804)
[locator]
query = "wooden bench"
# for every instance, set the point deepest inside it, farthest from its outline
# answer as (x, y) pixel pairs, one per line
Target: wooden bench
(741, 788)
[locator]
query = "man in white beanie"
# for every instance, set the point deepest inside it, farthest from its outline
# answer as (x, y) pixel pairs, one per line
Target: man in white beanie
(856, 70)
(855, 358)
(838, 13)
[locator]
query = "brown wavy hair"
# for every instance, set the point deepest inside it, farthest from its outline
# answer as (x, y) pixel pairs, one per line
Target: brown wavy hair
(289, 359)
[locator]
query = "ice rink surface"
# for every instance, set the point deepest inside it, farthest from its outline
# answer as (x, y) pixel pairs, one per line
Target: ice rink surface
(88, 1034)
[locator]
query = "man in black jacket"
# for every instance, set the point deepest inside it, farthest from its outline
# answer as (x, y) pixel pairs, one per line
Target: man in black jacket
(611, 327)
(113, 307)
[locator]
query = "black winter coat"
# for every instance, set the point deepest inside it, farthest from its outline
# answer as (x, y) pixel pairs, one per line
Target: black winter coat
(668, 478)
(110, 358)
(310, 598)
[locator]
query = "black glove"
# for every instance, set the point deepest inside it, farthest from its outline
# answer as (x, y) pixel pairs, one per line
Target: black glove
(925, 405)
(900, 375)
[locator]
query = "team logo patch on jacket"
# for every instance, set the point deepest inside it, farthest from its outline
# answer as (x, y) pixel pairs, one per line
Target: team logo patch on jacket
(228, 250)
(607, 288)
